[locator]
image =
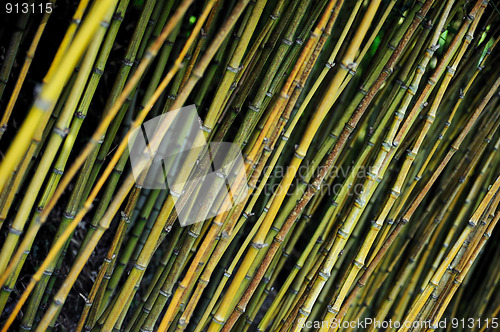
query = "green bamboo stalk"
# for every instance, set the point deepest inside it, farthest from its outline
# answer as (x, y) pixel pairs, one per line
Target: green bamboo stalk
(12, 53)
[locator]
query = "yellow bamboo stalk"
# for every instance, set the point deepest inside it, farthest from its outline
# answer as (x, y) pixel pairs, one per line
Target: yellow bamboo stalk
(233, 67)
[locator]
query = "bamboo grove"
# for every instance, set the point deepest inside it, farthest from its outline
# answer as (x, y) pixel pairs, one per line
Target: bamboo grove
(371, 185)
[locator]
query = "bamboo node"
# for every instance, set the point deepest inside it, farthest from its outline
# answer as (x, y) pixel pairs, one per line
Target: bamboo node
(165, 294)
(376, 225)
(434, 48)
(358, 264)
(97, 71)
(25, 327)
(108, 260)
(215, 320)
(279, 240)
(427, 24)
(47, 272)
(247, 215)
(315, 188)
(254, 108)
(205, 129)
(58, 302)
(175, 194)
(7, 289)
(97, 141)
(329, 65)
(388, 71)
(127, 63)
(386, 147)
(349, 127)
(419, 16)
(118, 17)
(450, 70)
(125, 216)
(330, 309)
(139, 267)
(14, 231)
(259, 246)
(287, 42)
(303, 311)
(342, 234)
(410, 154)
